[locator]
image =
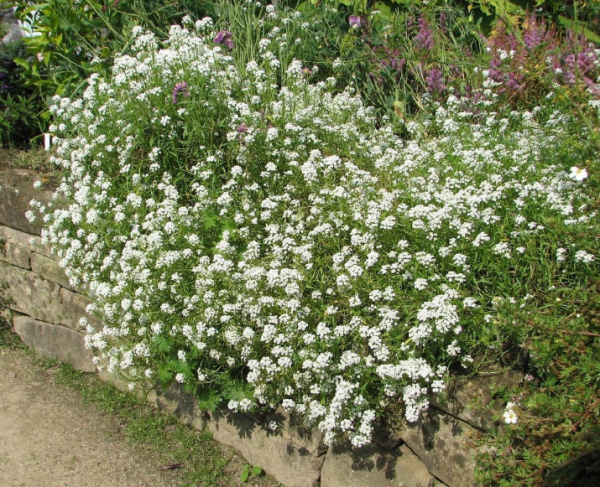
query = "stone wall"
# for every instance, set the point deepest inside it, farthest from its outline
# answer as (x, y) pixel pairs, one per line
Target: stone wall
(438, 451)
(10, 29)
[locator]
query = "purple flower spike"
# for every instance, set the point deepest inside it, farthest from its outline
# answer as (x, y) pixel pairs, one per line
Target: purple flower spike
(424, 39)
(443, 20)
(182, 88)
(355, 22)
(435, 82)
(224, 38)
(534, 35)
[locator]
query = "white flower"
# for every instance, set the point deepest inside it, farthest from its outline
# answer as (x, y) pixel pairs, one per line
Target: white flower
(583, 256)
(510, 417)
(578, 174)
(420, 284)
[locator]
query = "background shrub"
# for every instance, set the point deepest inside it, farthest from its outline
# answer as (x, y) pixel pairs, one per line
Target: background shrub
(19, 105)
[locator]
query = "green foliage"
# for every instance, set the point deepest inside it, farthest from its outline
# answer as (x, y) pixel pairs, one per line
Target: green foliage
(249, 471)
(312, 36)
(556, 437)
(555, 339)
(19, 104)
(390, 60)
(73, 39)
(573, 15)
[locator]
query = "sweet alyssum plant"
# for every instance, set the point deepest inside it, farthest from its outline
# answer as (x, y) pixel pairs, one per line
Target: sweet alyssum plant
(265, 242)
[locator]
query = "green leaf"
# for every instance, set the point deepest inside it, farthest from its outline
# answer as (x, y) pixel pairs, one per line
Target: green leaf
(164, 375)
(162, 344)
(210, 219)
(302, 6)
(384, 7)
(36, 7)
(229, 225)
(245, 473)
(256, 470)
(578, 27)
(208, 399)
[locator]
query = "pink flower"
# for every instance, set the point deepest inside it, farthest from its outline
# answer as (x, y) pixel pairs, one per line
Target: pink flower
(355, 22)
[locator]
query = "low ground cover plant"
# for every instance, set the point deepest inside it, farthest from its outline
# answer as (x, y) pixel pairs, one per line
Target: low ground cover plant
(266, 241)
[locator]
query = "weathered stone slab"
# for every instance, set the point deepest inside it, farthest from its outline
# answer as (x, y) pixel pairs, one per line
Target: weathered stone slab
(293, 457)
(9, 26)
(15, 255)
(445, 445)
(119, 384)
(374, 467)
(22, 239)
(74, 308)
(49, 269)
(182, 404)
(30, 294)
(56, 342)
(467, 398)
(16, 191)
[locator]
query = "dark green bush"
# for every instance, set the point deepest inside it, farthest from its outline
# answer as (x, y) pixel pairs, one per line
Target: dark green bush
(19, 104)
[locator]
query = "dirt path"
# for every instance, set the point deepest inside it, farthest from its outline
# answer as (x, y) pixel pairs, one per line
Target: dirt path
(49, 439)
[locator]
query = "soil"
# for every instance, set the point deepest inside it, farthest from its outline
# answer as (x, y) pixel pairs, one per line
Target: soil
(49, 439)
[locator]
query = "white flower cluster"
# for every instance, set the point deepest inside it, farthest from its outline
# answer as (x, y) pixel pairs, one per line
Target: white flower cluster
(222, 222)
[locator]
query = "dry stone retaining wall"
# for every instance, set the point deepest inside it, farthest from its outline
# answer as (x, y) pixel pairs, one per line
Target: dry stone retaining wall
(438, 451)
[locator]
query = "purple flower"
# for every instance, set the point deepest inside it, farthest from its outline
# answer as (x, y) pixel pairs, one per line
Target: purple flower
(241, 128)
(224, 38)
(515, 82)
(443, 20)
(182, 88)
(534, 34)
(435, 82)
(355, 22)
(424, 38)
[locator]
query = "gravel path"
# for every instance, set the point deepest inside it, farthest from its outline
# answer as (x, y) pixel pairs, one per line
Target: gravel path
(49, 439)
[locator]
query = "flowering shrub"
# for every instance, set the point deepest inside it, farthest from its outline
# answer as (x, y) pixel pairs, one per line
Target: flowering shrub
(264, 242)
(529, 63)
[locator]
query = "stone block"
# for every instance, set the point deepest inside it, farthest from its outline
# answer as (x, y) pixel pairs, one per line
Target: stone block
(22, 239)
(31, 295)
(44, 300)
(293, 457)
(10, 27)
(49, 269)
(119, 384)
(74, 308)
(373, 466)
(15, 255)
(177, 402)
(55, 341)
(466, 398)
(16, 191)
(445, 445)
